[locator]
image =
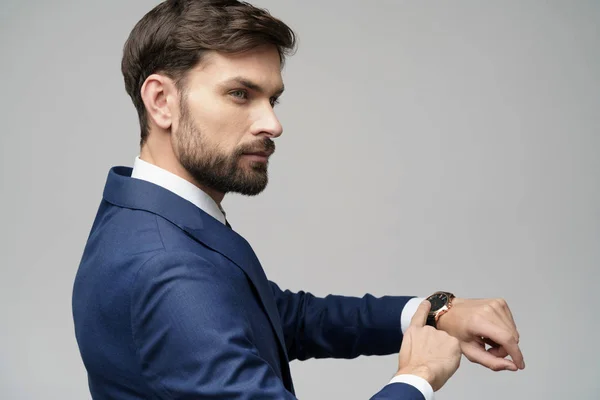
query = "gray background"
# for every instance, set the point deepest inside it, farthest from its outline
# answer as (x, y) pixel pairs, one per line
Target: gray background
(427, 145)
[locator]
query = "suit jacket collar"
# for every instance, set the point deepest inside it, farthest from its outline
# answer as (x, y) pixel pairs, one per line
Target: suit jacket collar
(124, 191)
(178, 185)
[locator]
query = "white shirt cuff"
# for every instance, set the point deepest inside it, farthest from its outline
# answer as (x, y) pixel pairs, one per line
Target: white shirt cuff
(409, 311)
(419, 383)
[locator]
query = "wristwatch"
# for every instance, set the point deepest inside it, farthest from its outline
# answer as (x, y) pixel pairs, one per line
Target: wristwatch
(441, 302)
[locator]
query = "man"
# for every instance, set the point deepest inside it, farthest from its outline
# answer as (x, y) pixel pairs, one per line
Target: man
(171, 303)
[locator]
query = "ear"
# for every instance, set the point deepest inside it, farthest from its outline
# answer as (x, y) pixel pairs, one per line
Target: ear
(160, 98)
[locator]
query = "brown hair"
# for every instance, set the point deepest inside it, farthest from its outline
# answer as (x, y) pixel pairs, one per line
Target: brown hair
(172, 38)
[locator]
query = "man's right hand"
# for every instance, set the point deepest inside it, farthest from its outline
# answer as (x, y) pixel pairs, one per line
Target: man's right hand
(426, 352)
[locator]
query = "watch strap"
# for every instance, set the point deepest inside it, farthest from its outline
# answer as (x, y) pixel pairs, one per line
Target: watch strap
(431, 320)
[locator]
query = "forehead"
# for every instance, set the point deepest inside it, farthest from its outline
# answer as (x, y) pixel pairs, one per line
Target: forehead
(261, 65)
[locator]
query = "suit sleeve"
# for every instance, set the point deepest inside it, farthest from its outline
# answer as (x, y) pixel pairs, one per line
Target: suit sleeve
(399, 391)
(193, 340)
(192, 336)
(339, 326)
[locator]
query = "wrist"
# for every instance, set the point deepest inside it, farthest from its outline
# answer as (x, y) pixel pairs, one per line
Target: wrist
(421, 371)
(445, 321)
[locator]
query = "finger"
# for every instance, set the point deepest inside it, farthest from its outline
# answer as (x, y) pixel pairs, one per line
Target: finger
(489, 342)
(495, 349)
(497, 352)
(502, 319)
(510, 315)
(511, 321)
(420, 317)
(496, 332)
(502, 310)
(477, 354)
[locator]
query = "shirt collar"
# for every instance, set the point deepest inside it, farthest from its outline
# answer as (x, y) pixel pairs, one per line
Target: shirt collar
(149, 172)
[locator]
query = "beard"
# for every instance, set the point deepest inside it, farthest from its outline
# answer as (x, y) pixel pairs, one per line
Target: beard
(212, 167)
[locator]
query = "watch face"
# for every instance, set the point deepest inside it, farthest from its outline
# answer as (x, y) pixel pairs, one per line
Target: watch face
(438, 301)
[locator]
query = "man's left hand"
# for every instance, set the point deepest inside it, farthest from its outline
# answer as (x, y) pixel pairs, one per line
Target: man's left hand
(477, 322)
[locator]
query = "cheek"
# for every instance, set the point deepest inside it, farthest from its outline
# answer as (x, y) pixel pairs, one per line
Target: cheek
(222, 122)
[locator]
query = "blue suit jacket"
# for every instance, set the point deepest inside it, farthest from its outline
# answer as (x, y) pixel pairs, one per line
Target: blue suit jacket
(169, 303)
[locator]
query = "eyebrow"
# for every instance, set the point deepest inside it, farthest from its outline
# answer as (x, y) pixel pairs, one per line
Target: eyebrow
(251, 85)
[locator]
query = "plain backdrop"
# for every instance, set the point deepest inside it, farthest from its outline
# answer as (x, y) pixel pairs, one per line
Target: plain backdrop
(427, 145)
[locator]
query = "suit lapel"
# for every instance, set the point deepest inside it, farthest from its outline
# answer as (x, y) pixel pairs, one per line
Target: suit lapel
(235, 248)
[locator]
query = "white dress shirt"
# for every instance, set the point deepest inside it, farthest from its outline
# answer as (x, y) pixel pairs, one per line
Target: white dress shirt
(149, 172)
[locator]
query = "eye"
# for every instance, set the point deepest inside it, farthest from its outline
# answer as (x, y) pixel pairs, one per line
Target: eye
(274, 101)
(239, 94)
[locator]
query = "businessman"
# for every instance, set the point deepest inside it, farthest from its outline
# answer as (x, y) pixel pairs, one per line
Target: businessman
(169, 302)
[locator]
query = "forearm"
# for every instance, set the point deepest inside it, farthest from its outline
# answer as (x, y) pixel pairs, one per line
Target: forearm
(339, 326)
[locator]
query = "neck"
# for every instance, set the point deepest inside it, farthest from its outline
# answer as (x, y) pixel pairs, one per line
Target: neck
(170, 163)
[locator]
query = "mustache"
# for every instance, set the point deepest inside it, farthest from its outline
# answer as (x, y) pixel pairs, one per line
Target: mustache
(265, 145)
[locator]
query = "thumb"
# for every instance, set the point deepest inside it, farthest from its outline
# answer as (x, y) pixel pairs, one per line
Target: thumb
(420, 316)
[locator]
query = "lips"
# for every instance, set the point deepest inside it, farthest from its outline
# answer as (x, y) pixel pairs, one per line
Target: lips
(260, 153)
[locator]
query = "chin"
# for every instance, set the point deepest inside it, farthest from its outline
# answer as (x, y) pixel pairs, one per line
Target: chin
(252, 190)
(256, 186)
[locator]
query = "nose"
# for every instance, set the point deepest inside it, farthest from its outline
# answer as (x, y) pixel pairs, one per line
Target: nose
(267, 123)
